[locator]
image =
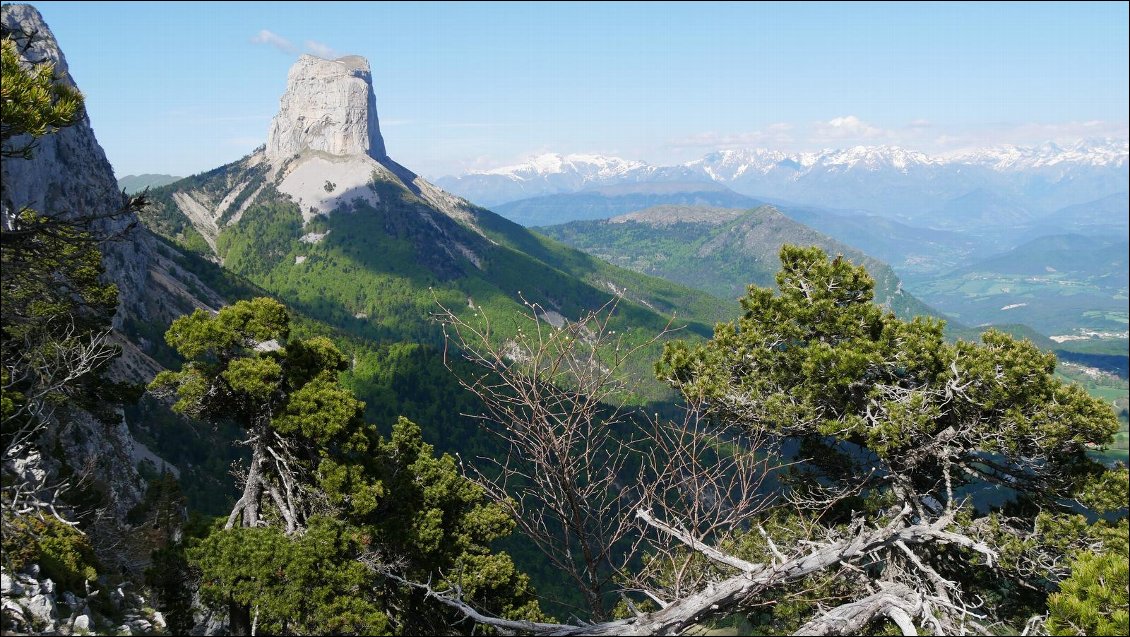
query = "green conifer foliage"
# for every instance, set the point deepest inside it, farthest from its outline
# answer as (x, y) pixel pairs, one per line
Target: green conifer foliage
(329, 509)
(32, 103)
(1094, 600)
(887, 409)
(819, 360)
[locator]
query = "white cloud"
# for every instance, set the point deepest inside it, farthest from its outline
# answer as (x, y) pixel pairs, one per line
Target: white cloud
(321, 50)
(1066, 131)
(270, 38)
(273, 39)
(848, 127)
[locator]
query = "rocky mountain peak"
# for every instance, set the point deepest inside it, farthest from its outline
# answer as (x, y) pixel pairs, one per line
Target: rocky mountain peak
(68, 174)
(25, 20)
(328, 106)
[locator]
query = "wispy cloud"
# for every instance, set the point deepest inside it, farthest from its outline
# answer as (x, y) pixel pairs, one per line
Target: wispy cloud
(1068, 131)
(846, 128)
(271, 38)
(474, 125)
(320, 49)
(924, 135)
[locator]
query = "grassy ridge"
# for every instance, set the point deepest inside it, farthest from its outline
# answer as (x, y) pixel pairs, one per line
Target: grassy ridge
(718, 251)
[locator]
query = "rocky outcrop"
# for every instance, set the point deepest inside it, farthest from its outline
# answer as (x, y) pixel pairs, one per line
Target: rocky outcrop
(69, 175)
(324, 152)
(329, 106)
(31, 604)
(321, 183)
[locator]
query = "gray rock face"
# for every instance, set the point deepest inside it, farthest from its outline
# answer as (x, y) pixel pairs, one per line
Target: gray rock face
(42, 609)
(36, 606)
(107, 449)
(329, 106)
(9, 586)
(69, 175)
(82, 623)
(12, 616)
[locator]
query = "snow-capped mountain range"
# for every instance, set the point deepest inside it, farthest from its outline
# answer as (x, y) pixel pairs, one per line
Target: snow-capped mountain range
(883, 179)
(597, 166)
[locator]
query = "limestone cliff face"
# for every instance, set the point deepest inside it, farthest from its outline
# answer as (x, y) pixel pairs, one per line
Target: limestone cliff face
(69, 175)
(329, 106)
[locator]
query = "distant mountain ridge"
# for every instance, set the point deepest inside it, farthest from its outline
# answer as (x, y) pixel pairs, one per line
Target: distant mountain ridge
(910, 250)
(1063, 253)
(1105, 216)
(727, 165)
(608, 201)
(136, 183)
(718, 250)
(1057, 284)
(886, 180)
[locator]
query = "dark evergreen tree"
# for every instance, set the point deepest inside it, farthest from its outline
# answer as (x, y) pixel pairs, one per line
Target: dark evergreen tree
(332, 519)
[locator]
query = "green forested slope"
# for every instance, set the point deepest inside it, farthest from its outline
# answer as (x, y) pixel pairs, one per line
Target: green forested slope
(720, 251)
(380, 271)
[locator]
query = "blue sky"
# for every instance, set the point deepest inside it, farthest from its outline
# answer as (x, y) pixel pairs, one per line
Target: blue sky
(182, 88)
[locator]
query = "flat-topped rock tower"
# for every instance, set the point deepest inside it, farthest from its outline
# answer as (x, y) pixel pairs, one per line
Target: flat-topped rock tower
(324, 152)
(328, 106)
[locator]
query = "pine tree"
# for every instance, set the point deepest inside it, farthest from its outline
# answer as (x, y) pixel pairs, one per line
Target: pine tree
(1093, 601)
(842, 471)
(32, 102)
(331, 517)
(887, 409)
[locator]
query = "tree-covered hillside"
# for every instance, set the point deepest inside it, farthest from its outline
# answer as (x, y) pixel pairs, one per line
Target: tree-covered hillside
(379, 271)
(137, 183)
(1058, 284)
(610, 201)
(716, 250)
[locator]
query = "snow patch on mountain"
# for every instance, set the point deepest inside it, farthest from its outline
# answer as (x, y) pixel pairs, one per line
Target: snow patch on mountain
(1108, 153)
(597, 167)
(885, 179)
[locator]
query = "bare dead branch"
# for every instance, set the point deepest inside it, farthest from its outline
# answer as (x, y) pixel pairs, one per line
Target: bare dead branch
(553, 395)
(896, 601)
(697, 545)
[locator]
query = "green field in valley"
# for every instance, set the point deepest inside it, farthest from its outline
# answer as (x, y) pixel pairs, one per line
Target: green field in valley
(1113, 390)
